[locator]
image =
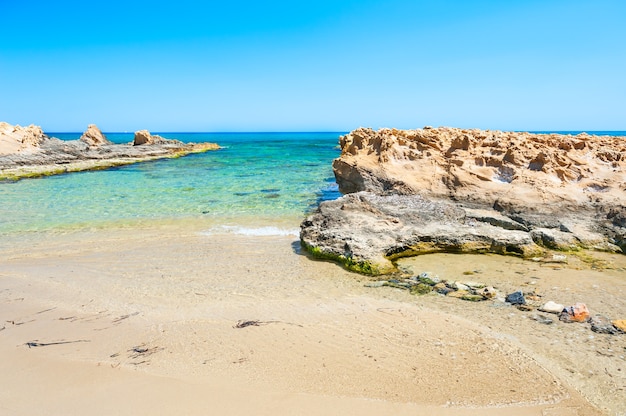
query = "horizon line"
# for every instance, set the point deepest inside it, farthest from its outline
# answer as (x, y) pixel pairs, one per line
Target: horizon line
(319, 131)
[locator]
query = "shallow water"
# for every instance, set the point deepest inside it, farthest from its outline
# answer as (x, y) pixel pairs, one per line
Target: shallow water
(262, 175)
(256, 181)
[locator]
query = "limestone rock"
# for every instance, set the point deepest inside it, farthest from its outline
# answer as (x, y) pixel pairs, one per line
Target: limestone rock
(142, 137)
(552, 307)
(17, 139)
(93, 137)
(365, 232)
(460, 286)
(514, 169)
(27, 152)
(411, 192)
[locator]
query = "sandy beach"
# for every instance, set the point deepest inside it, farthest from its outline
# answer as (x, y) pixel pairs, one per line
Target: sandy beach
(178, 320)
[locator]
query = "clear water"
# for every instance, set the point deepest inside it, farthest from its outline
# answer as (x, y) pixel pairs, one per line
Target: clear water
(265, 176)
(257, 179)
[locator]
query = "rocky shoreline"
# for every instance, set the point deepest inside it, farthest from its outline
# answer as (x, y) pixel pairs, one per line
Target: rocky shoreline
(411, 192)
(26, 152)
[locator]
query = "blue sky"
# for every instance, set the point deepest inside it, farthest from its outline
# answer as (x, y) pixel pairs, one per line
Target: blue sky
(313, 66)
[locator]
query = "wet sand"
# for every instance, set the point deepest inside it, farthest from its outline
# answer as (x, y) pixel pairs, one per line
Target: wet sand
(145, 321)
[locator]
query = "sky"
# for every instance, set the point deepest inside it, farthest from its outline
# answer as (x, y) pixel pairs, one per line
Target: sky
(319, 65)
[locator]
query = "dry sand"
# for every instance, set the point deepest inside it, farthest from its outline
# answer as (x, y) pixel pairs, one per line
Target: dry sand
(144, 322)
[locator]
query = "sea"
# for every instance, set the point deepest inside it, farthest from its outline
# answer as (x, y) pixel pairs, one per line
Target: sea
(257, 183)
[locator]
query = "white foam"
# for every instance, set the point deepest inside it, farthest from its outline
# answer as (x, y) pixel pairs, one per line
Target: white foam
(253, 231)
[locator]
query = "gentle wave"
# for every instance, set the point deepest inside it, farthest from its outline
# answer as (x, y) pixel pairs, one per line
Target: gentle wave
(252, 231)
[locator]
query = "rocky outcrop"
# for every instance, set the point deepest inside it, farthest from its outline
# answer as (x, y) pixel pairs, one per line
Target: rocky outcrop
(93, 137)
(17, 139)
(515, 169)
(445, 189)
(28, 152)
(144, 137)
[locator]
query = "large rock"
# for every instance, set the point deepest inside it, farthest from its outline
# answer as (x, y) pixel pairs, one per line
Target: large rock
(420, 191)
(524, 171)
(144, 137)
(365, 231)
(17, 139)
(93, 137)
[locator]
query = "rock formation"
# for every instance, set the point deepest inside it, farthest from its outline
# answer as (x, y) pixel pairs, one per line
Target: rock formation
(94, 137)
(144, 137)
(16, 139)
(446, 189)
(28, 152)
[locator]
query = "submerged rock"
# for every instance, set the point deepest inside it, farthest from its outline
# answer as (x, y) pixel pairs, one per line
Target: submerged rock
(143, 137)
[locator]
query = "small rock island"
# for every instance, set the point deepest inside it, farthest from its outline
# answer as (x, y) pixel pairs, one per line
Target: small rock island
(27, 152)
(411, 192)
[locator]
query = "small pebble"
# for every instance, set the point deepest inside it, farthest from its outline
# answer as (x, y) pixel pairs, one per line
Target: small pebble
(516, 298)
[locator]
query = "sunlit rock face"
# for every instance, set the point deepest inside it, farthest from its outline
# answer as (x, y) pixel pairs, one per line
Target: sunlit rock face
(519, 169)
(513, 193)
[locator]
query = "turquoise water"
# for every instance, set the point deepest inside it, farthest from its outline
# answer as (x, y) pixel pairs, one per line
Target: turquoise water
(268, 176)
(257, 179)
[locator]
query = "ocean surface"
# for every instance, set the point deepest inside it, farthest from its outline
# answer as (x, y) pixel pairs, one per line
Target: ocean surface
(258, 183)
(255, 182)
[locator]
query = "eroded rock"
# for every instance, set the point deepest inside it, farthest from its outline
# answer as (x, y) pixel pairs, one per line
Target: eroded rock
(28, 152)
(93, 137)
(411, 192)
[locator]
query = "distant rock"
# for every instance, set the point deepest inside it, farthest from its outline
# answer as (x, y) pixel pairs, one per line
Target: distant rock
(27, 152)
(144, 137)
(410, 192)
(93, 137)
